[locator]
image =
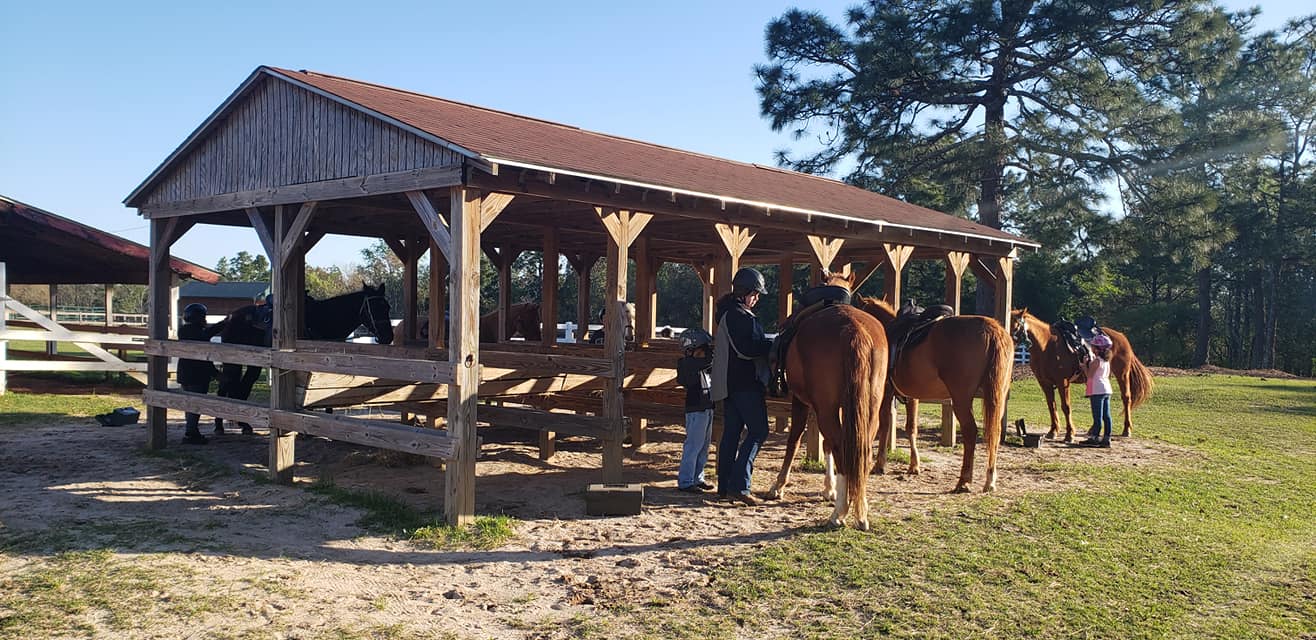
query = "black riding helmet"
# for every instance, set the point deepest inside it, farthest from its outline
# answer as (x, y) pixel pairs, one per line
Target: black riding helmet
(694, 338)
(194, 313)
(748, 280)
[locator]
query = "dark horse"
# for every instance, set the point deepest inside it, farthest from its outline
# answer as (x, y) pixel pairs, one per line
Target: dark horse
(330, 319)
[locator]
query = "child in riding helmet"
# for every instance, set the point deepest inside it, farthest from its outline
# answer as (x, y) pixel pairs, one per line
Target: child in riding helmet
(694, 372)
(1096, 366)
(195, 375)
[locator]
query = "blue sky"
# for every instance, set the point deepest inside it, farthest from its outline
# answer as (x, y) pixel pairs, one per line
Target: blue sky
(97, 94)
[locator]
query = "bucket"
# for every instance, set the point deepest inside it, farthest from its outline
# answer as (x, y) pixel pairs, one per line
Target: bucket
(1031, 440)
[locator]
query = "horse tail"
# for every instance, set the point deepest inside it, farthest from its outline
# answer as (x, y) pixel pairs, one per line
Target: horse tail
(858, 406)
(1140, 381)
(996, 382)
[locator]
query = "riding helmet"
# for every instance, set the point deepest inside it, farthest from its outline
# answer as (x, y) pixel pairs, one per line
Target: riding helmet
(1101, 341)
(694, 337)
(194, 313)
(747, 280)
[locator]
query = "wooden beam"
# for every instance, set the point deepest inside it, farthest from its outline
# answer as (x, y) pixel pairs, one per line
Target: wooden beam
(438, 295)
(354, 187)
(4, 314)
(862, 274)
(463, 354)
(617, 223)
(262, 228)
(583, 265)
(736, 239)
(372, 433)
(251, 413)
(296, 232)
(209, 351)
(351, 364)
(825, 249)
(434, 223)
(283, 381)
(707, 275)
(956, 263)
(399, 248)
(646, 294)
(493, 204)
(411, 289)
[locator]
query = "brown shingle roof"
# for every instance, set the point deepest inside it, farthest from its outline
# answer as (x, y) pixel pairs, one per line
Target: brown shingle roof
(509, 138)
(40, 247)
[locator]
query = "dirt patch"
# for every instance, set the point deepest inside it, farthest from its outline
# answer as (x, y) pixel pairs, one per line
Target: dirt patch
(295, 565)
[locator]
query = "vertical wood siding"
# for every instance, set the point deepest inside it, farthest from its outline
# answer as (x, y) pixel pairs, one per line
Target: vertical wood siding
(281, 134)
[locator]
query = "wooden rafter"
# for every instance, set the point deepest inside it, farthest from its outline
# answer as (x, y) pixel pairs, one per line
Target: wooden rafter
(735, 238)
(434, 223)
(262, 231)
(297, 230)
(493, 204)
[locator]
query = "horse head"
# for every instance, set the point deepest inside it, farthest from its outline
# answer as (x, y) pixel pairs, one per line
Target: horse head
(839, 279)
(528, 322)
(375, 313)
(1019, 330)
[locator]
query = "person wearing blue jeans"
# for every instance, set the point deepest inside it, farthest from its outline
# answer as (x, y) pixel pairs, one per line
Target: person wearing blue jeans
(740, 376)
(1097, 368)
(694, 372)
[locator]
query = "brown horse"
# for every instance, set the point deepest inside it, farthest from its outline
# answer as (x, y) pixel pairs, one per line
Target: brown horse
(961, 357)
(837, 368)
(522, 319)
(1055, 367)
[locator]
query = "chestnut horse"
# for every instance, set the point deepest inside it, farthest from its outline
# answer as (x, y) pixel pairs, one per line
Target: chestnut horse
(836, 365)
(1055, 367)
(961, 357)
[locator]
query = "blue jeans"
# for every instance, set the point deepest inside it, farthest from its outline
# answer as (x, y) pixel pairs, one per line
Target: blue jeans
(1100, 416)
(746, 411)
(694, 455)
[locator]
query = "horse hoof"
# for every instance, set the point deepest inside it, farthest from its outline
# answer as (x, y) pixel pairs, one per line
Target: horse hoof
(862, 525)
(833, 523)
(960, 489)
(913, 471)
(1069, 439)
(1050, 435)
(1126, 434)
(989, 488)
(830, 496)
(774, 494)
(881, 471)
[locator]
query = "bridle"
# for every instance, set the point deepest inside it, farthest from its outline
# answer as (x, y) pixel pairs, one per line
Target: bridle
(1020, 333)
(367, 314)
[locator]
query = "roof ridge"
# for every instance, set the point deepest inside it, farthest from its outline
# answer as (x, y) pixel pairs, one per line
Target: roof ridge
(566, 126)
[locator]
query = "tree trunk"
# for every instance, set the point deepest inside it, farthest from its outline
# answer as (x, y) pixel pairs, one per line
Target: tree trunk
(1203, 354)
(990, 197)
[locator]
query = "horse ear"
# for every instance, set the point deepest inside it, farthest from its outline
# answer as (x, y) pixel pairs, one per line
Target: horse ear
(850, 278)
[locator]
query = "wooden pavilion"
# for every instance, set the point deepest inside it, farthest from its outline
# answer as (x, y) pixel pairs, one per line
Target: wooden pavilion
(297, 155)
(41, 248)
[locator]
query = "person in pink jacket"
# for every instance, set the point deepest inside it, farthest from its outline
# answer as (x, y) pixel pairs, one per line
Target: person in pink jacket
(1096, 366)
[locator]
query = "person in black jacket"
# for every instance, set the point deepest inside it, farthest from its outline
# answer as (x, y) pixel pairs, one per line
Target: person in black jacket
(740, 375)
(693, 371)
(195, 375)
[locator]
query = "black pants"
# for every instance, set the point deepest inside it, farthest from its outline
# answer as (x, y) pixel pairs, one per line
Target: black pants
(194, 418)
(236, 383)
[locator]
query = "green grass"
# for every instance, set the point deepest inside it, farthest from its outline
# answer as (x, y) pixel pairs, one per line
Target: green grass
(389, 516)
(1220, 544)
(86, 593)
(29, 409)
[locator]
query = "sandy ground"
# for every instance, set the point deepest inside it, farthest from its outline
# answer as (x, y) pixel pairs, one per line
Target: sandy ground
(298, 566)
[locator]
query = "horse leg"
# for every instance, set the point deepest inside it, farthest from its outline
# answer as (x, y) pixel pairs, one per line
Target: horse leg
(1050, 393)
(963, 408)
(840, 509)
(799, 418)
(1066, 408)
(1126, 398)
(884, 426)
(911, 426)
(829, 473)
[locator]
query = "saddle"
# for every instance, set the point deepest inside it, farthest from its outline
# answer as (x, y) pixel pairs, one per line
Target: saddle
(912, 325)
(814, 300)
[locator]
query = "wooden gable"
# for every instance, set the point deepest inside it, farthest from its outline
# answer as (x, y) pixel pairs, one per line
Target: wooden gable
(281, 134)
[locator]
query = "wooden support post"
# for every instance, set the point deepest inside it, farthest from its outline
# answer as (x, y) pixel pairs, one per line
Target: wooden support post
(175, 288)
(157, 367)
(1004, 268)
(956, 262)
(411, 290)
(4, 314)
(708, 301)
(287, 300)
(583, 264)
(825, 250)
(623, 227)
(646, 293)
(785, 290)
(438, 295)
(52, 297)
(504, 265)
(548, 318)
(894, 259)
(463, 354)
